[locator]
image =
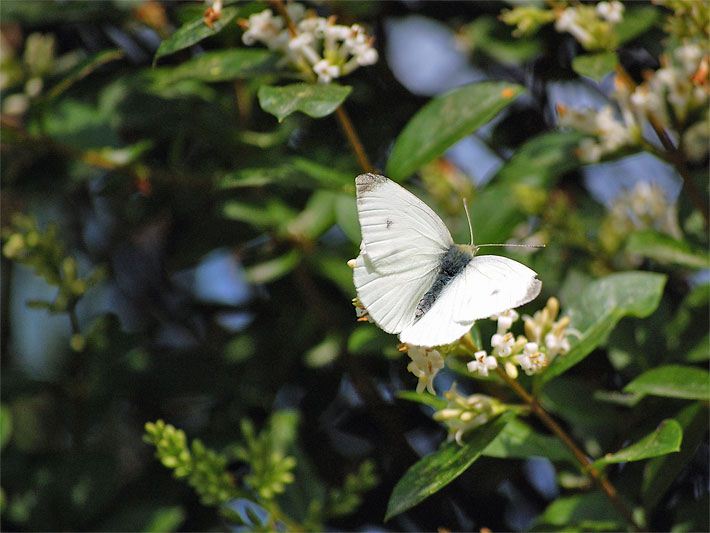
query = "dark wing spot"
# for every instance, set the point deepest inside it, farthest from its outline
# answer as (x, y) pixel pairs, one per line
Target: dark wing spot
(368, 182)
(389, 223)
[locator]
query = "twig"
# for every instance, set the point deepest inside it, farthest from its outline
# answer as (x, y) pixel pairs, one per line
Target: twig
(340, 113)
(602, 482)
(672, 152)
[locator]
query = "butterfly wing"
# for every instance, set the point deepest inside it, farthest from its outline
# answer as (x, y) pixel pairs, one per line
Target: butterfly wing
(403, 241)
(488, 285)
(399, 231)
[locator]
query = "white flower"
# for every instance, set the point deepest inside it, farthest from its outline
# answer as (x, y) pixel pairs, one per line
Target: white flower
(367, 56)
(326, 71)
(263, 27)
(502, 344)
(689, 56)
(569, 21)
(425, 365)
(532, 359)
(556, 344)
(589, 150)
(506, 319)
(611, 11)
(482, 363)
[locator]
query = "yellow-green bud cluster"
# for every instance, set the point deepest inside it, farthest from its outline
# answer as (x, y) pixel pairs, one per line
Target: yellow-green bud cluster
(464, 413)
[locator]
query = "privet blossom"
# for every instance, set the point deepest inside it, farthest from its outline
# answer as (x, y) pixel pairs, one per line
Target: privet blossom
(321, 47)
(464, 413)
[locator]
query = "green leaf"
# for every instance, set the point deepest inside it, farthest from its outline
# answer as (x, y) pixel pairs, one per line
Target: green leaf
(487, 34)
(5, 425)
(595, 66)
(315, 218)
(601, 305)
(660, 473)
(701, 352)
(444, 120)
(673, 381)
(193, 32)
(323, 353)
(665, 249)
(315, 100)
(85, 68)
(541, 160)
(520, 441)
(220, 65)
(368, 339)
(591, 511)
(664, 440)
(436, 470)
(346, 217)
(273, 214)
(435, 402)
(637, 20)
(165, 519)
(294, 172)
(273, 269)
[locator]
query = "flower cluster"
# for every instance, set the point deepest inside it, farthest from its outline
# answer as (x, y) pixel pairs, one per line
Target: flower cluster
(545, 338)
(607, 133)
(317, 45)
(644, 206)
(425, 365)
(464, 413)
(592, 25)
(41, 250)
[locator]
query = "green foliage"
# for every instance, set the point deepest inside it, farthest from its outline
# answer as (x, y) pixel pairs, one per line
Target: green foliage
(673, 381)
(225, 302)
(42, 251)
(202, 468)
(314, 100)
(445, 120)
(599, 308)
(440, 468)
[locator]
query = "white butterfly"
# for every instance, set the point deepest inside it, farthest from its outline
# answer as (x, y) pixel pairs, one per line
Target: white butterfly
(413, 280)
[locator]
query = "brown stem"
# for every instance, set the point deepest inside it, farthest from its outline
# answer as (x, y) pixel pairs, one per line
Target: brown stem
(673, 154)
(340, 113)
(353, 139)
(602, 482)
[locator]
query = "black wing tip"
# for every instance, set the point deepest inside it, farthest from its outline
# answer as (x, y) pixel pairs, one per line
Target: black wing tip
(368, 182)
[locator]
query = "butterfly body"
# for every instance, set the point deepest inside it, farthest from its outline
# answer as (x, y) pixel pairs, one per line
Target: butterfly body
(414, 281)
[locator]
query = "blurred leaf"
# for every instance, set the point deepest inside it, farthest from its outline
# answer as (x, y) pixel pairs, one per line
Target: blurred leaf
(572, 398)
(665, 249)
(193, 32)
(438, 469)
(591, 512)
(80, 125)
(673, 381)
(444, 120)
(124, 155)
(273, 269)
(85, 68)
(493, 38)
(272, 214)
(540, 160)
(636, 20)
(368, 338)
(520, 441)
(346, 217)
(5, 425)
(323, 353)
(422, 398)
(595, 66)
(220, 65)
(601, 305)
(664, 440)
(165, 519)
(315, 100)
(335, 269)
(315, 218)
(701, 352)
(660, 473)
(294, 172)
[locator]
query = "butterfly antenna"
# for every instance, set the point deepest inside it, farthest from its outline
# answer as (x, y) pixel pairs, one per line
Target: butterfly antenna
(514, 245)
(468, 217)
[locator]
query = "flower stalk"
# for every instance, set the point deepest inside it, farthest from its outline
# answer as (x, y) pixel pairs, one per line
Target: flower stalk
(340, 113)
(586, 463)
